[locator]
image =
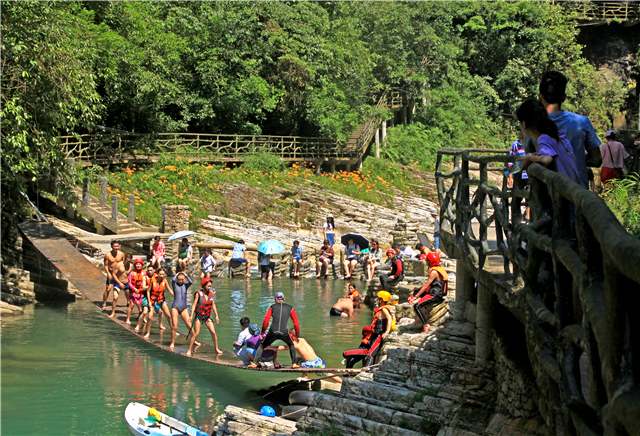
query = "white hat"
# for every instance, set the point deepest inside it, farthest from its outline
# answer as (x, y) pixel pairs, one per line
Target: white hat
(434, 212)
(329, 215)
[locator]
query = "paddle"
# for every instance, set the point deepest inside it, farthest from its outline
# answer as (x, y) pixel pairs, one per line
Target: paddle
(172, 428)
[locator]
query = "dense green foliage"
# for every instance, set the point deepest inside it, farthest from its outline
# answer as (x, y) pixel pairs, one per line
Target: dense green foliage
(622, 197)
(282, 68)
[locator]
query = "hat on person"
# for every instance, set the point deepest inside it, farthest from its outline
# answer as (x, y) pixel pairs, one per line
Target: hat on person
(329, 215)
(138, 261)
(205, 281)
(254, 329)
(434, 212)
(279, 296)
(610, 133)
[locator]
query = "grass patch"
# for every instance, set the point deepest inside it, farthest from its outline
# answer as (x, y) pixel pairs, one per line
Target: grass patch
(622, 197)
(177, 180)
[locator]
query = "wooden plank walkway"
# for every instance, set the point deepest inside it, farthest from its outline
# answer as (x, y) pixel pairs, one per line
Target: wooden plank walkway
(90, 281)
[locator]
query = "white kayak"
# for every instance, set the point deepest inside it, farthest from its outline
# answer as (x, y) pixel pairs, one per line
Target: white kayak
(141, 424)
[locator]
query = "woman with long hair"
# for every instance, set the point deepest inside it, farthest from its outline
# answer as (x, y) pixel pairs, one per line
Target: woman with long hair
(330, 230)
(554, 149)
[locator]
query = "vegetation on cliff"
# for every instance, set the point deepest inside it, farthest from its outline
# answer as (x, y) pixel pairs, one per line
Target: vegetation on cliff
(288, 68)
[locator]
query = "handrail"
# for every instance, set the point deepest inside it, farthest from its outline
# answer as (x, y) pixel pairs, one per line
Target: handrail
(595, 10)
(111, 146)
(576, 252)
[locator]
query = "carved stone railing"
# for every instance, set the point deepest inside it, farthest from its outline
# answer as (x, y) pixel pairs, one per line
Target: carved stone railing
(602, 10)
(574, 285)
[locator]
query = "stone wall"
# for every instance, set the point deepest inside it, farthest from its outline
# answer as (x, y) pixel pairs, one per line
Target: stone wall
(176, 218)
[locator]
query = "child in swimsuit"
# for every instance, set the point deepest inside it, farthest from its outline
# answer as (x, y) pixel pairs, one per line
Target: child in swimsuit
(203, 304)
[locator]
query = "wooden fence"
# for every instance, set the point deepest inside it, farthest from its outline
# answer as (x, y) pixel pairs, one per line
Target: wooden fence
(575, 280)
(595, 10)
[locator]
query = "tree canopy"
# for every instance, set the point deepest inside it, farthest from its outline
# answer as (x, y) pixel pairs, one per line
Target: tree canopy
(281, 68)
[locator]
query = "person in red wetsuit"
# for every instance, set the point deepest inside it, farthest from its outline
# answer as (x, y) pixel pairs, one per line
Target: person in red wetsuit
(432, 292)
(203, 305)
(397, 271)
(280, 312)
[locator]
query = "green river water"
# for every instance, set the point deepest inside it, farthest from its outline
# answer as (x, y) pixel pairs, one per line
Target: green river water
(68, 370)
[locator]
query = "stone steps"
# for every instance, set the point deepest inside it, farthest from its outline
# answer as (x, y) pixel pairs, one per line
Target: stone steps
(420, 381)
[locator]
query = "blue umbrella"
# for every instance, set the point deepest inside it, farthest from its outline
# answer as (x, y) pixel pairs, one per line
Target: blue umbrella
(271, 247)
(181, 234)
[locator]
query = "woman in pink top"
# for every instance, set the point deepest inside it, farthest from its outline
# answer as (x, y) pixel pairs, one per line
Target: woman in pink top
(613, 156)
(157, 250)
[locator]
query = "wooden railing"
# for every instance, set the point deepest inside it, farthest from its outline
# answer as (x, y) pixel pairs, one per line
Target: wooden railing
(595, 10)
(114, 146)
(575, 280)
(109, 147)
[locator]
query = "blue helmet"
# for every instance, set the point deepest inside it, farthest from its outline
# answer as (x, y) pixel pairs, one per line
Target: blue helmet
(267, 411)
(254, 329)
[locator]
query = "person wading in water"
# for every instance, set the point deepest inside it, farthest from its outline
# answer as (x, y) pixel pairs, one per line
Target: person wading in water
(280, 312)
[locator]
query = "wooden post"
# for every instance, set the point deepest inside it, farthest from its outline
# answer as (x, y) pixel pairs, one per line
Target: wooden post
(384, 130)
(114, 208)
(86, 195)
(403, 113)
(164, 214)
(72, 165)
(464, 289)
(318, 165)
(484, 325)
(359, 164)
(132, 208)
(377, 143)
(332, 168)
(104, 195)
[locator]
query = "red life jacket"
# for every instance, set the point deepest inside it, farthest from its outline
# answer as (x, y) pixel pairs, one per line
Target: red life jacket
(203, 309)
(137, 280)
(157, 291)
(379, 323)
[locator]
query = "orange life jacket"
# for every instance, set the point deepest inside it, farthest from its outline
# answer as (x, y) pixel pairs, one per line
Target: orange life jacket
(136, 280)
(157, 290)
(439, 287)
(379, 323)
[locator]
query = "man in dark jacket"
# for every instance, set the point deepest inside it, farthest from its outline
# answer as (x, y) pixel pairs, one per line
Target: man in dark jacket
(397, 271)
(280, 312)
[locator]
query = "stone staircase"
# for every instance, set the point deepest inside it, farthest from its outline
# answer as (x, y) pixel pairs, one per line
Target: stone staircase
(426, 384)
(101, 214)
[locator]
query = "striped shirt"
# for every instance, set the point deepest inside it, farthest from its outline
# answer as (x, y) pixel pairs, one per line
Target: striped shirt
(518, 150)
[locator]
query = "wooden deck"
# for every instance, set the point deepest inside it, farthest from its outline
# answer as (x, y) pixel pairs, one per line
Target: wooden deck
(90, 281)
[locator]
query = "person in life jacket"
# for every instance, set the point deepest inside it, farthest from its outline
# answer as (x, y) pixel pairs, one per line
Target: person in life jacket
(432, 292)
(280, 312)
(397, 270)
(201, 309)
(373, 335)
(157, 303)
(136, 291)
(353, 294)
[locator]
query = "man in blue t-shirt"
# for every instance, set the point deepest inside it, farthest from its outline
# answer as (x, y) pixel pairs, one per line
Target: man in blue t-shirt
(238, 256)
(577, 128)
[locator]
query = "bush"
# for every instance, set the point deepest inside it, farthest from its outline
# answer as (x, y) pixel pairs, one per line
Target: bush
(622, 198)
(265, 162)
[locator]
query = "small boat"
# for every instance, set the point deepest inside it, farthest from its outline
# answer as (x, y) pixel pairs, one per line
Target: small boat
(156, 423)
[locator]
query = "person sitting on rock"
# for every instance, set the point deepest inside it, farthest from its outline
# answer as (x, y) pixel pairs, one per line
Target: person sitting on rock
(373, 260)
(373, 335)
(345, 307)
(397, 270)
(432, 292)
(352, 251)
(208, 263)
(422, 251)
(157, 253)
(238, 256)
(185, 254)
(297, 258)
(325, 259)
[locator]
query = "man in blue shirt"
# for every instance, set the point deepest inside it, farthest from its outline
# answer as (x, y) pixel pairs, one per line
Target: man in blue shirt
(577, 128)
(238, 256)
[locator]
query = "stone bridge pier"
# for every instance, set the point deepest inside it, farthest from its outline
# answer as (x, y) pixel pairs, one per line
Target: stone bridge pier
(554, 302)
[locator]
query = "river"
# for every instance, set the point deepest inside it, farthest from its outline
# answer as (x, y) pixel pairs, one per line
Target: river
(68, 370)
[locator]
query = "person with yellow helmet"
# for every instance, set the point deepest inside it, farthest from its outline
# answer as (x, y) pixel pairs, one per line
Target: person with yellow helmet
(432, 292)
(373, 335)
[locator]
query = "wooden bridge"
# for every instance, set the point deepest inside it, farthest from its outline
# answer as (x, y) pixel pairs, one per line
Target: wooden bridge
(570, 299)
(596, 12)
(106, 147)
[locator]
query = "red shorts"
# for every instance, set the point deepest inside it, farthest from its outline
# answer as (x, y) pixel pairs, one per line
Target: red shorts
(610, 174)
